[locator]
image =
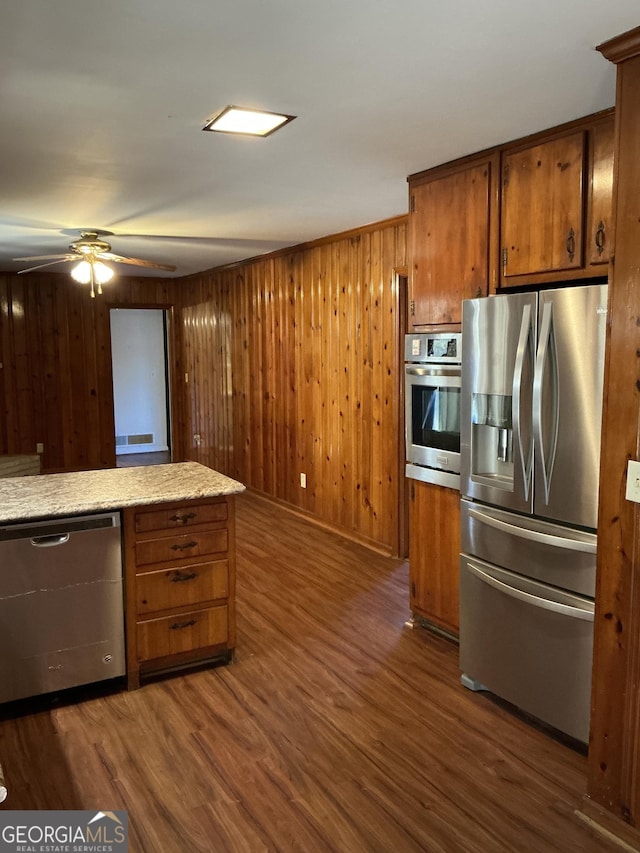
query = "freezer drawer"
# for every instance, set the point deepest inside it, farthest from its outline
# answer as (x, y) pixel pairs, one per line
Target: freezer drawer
(61, 605)
(528, 643)
(550, 553)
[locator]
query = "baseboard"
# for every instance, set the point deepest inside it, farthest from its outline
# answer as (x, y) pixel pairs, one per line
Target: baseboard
(609, 825)
(371, 544)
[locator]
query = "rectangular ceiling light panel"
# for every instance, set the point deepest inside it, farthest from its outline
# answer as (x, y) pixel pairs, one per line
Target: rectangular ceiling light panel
(247, 122)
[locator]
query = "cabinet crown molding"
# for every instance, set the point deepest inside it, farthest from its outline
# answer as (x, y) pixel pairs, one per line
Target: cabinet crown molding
(622, 47)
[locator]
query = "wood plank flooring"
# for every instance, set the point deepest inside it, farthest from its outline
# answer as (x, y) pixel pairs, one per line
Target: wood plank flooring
(337, 728)
(127, 460)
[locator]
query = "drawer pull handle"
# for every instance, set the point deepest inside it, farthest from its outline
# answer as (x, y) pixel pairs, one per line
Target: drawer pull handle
(182, 518)
(571, 244)
(600, 238)
(183, 547)
(178, 626)
(178, 577)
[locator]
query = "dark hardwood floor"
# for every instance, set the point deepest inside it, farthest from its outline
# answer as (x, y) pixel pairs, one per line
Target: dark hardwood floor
(336, 728)
(127, 460)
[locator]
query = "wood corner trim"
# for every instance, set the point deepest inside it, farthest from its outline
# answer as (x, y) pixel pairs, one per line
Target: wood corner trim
(608, 825)
(622, 47)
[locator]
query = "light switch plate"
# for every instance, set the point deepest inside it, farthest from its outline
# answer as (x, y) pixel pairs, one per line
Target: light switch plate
(633, 481)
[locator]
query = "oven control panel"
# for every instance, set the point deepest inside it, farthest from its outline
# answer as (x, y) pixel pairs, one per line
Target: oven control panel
(441, 347)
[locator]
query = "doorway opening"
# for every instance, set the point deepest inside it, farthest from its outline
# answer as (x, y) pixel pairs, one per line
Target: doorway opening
(141, 402)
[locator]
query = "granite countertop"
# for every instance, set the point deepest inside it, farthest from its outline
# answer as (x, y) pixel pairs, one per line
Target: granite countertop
(55, 495)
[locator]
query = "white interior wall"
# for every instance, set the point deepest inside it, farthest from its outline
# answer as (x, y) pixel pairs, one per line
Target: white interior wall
(139, 377)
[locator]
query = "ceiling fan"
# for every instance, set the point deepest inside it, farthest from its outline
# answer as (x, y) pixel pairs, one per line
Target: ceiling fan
(90, 251)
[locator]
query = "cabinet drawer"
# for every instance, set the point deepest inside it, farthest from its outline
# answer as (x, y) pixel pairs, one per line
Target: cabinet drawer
(166, 519)
(158, 638)
(188, 545)
(173, 588)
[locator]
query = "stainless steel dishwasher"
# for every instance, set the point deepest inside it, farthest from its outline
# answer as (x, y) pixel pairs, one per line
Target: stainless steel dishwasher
(61, 604)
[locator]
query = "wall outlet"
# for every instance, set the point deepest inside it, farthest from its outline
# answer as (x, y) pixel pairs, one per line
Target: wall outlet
(197, 439)
(303, 481)
(39, 447)
(633, 481)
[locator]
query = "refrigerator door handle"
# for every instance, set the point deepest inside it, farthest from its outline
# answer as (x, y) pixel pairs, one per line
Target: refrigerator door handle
(546, 350)
(524, 344)
(585, 613)
(485, 517)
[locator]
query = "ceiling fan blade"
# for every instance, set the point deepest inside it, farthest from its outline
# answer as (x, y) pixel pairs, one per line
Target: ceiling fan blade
(136, 262)
(60, 260)
(65, 257)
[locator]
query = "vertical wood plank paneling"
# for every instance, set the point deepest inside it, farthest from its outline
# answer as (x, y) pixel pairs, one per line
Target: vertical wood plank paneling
(53, 434)
(313, 351)
(4, 360)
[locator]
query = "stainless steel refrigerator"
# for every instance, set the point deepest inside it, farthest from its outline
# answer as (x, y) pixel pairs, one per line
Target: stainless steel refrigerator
(530, 418)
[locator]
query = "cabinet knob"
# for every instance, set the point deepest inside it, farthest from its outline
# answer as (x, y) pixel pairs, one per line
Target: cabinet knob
(600, 237)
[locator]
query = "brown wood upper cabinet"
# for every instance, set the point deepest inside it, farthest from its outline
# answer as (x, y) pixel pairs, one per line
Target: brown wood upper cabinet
(532, 211)
(450, 223)
(599, 232)
(542, 203)
(555, 204)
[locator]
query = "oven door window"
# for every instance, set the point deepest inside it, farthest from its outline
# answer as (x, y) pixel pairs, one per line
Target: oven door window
(435, 417)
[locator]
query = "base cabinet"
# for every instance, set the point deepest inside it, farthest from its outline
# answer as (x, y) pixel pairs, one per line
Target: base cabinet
(434, 553)
(180, 585)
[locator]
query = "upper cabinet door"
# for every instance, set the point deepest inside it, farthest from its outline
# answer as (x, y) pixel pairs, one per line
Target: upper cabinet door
(449, 222)
(600, 224)
(542, 207)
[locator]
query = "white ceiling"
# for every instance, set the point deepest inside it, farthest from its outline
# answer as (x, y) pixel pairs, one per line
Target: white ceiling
(102, 107)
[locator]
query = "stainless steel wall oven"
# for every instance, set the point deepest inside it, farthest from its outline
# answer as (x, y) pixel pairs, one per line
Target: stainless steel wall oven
(432, 407)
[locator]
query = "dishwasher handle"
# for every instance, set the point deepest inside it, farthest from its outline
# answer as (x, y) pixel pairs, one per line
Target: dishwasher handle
(50, 541)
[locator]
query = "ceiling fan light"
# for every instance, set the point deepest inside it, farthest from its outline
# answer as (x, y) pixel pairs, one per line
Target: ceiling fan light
(102, 273)
(82, 272)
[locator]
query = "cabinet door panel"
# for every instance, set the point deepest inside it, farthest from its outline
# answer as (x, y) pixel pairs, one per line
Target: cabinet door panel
(542, 204)
(449, 244)
(434, 551)
(599, 231)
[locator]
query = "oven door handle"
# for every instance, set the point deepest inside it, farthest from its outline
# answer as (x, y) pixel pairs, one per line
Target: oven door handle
(431, 371)
(420, 377)
(586, 612)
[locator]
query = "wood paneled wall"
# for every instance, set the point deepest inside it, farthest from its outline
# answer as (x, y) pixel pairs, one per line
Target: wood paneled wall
(282, 365)
(55, 380)
(294, 366)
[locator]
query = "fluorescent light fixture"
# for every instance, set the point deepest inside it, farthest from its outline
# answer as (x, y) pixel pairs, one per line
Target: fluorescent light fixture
(247, 122)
